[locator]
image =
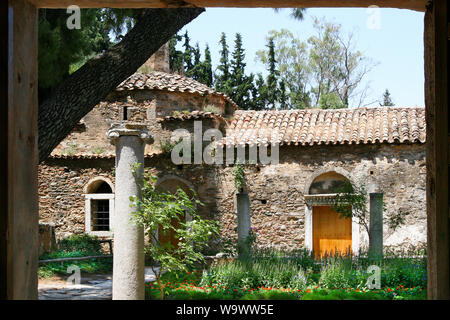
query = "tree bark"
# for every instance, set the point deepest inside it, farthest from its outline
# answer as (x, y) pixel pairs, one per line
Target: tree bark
(85, 88)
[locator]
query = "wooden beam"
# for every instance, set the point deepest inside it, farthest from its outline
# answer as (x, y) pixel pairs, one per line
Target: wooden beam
(418, 5)
(20, 209)
(436, 101)
(3, 146)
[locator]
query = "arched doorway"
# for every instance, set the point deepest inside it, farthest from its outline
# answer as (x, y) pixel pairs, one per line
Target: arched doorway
(171, 184)
(327, 233)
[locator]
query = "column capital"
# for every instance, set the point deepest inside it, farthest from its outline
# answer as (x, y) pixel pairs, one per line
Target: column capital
(119, 129)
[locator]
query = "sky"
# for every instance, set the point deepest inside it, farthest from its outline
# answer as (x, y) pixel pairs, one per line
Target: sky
(393, 38)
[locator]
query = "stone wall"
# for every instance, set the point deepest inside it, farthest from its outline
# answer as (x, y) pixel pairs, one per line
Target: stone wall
(61, 191)
(89, 136)
(276, 192)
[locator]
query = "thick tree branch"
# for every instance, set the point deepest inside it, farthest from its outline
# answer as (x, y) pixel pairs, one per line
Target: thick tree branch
(85, 88)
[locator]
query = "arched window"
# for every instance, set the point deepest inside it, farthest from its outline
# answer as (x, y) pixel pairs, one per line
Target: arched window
(99, 207)
(327, 183)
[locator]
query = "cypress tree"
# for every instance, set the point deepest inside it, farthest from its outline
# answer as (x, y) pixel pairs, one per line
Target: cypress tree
(207, 76)
(223, 77)
(282, 95)
(387, 100)
(240, 83)
(187, 55)
(195, 72)
(272, 88)
(259, 93)
(175, 56)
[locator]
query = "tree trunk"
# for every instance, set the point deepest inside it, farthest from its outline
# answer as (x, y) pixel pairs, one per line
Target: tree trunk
(85, 88)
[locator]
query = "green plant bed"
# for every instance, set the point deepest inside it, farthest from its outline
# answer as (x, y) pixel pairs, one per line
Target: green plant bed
(51, 269)
(82, 245)
(270, 274)
(187, 286)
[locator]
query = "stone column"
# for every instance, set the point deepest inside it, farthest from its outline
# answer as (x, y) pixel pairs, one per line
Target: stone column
(243, 215)
(376, 225)
(128, 263)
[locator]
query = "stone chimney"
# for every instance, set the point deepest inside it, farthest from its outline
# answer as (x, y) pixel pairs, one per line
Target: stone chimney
(159, 61)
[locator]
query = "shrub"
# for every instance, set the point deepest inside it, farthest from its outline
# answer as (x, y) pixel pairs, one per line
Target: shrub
(76, 245)
(334, 275)
(212, 109)
(80, 242)
(257, 272)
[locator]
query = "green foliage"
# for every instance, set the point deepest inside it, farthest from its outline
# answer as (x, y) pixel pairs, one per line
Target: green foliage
(175, 56)
(156, 211)
(296, 13)
(98, 150)
(62, 51)
(291, 56)
(213, 109)
(351, 201)
(76, 245)
(71, 149)
(271, 80)
(207, 74)
(273, 274)
(325, 294)
(223, 77)
(84, 243)
(334, 275)
(387, 100)
(396, 219)
(324, 71)
(239, 177)
(241, 84)
(51, 269)
(167, 146)
(250, 273)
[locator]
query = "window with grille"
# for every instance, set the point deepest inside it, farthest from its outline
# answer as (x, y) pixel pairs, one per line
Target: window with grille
(99, 208)
(100, 215)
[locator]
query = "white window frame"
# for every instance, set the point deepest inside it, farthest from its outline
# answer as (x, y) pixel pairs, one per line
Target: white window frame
(88, 214)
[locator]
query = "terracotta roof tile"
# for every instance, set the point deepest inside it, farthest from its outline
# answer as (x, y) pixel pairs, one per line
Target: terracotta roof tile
(310, 127)
(194, 115)
(330, 127)
(171, 82)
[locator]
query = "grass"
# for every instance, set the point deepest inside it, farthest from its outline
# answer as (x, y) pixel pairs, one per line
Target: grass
(75, 246)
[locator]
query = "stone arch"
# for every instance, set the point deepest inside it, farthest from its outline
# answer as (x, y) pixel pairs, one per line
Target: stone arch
(325, 198)
(170, 182)
(324, 171)
(93, 184)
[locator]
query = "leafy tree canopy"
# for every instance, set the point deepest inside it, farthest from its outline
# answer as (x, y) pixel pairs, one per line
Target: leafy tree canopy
(62, 51)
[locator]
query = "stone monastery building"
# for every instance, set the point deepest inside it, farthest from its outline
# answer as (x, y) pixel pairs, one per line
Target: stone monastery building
(290, 202)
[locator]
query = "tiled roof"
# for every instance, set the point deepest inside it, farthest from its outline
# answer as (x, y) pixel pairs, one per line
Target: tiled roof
(327, 127)
(55, 155)
(85, 156)
(171, 82)
(309, 127)
(194, 115)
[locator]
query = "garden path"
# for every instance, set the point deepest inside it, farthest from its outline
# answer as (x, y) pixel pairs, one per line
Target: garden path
(91, 287)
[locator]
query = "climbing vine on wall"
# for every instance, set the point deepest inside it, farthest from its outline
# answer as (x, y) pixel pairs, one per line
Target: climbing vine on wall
(239, 177)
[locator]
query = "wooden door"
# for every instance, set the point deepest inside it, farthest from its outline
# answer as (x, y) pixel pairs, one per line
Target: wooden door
(169, 236)
(331, 232)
